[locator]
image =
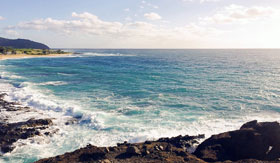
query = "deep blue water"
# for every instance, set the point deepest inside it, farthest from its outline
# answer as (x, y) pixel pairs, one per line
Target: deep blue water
(135, 95)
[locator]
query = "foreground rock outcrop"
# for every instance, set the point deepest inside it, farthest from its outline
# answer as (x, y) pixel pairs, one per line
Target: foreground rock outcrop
(12, 132)
(253, 143)
(260, 141)
(163, 150)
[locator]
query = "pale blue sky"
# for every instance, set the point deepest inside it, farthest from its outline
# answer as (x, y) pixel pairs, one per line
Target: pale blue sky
(143, 24)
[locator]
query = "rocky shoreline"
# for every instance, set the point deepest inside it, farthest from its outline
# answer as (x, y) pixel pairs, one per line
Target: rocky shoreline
(254, 142)
(12, 132)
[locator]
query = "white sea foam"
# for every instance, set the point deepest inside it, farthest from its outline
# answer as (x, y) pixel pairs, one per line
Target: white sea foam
(53, 83)
(93, 126)
(103, 128)
(107, 55)
(64, 74)
(69, 138)
(8, 75)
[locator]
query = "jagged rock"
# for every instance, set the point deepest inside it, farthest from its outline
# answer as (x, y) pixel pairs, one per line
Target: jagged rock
(129, 153)
(146, 152)
(106, 161)
(182, 141)
(107, 150)
(10, 133)
(133, 150)
(148, 142)
(168, 148)
(71, 121)
(260, 141)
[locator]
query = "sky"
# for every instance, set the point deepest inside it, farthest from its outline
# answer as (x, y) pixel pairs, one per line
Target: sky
(143, 23)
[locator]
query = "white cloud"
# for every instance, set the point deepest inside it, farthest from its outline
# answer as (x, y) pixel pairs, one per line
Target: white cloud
(149, 5)
(82, 23)
(202, 31)
(85, 22)
(91, 31)
(236, 13)
(152, 16)
(128, 18)
(201, 1)
(127, 10)
(2, 18)
(11, 32)
(130, 34)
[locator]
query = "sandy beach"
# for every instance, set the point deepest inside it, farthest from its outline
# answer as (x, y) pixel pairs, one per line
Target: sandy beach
(18, 56)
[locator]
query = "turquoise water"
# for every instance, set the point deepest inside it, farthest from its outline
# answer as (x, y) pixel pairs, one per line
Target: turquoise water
(135, 95)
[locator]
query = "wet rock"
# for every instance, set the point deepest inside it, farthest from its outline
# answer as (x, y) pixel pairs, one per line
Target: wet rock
(91, 156)
(183, 141)
(168, 148)
(181, 153)
(106, 161)
(2, 95)
(10, 133)
(146, 152)
(71, 121)
(133, 150)
(107, 150)
(47, 133)
(260, 141)
(156, 148)
(131, 153)
(10, 106)
(148, 142)
(113, 149)
(7, 148)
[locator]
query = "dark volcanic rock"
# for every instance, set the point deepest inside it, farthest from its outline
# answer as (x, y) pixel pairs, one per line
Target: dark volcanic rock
(182, 141)
(10, 133)
(133, 150)
(10, 106)
(253, 143)
(151, 151)
(260, 141)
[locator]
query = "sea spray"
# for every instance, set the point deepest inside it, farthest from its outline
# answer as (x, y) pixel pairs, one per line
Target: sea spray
(134, 95)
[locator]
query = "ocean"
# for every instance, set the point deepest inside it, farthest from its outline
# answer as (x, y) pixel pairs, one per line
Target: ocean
(131, 95)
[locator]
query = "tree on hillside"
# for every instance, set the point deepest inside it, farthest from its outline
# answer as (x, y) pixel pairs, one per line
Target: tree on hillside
(3, 50)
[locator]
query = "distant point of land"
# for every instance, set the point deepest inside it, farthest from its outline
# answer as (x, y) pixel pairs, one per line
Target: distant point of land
(21, 48)
(22, 44)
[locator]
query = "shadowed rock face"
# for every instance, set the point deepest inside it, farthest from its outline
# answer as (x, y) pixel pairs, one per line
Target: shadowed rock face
(163, 150)
(12, 132)
(254, 140)
(253, 143)
(230, 147)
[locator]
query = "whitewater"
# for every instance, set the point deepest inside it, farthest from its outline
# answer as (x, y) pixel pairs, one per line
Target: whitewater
(131, 95)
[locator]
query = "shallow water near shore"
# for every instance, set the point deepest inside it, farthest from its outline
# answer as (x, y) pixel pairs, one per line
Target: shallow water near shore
(134, 95)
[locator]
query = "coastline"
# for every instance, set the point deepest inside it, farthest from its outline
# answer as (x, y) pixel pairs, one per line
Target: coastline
(154, 150)
(254, 142)
(22, 56)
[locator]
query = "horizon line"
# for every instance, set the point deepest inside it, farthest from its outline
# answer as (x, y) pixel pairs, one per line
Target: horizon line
(173, 48)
